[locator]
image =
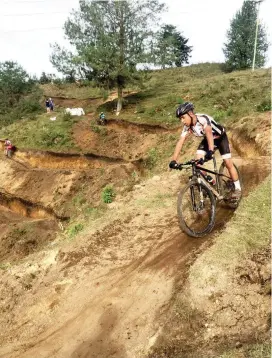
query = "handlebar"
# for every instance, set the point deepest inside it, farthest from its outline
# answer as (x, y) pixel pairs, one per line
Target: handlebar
(191, 162)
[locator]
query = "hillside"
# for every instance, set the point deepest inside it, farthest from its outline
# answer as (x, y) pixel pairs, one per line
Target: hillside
(81, 277)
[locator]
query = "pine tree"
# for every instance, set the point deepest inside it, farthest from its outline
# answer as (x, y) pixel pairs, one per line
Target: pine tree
(171, 48)
(239, 49)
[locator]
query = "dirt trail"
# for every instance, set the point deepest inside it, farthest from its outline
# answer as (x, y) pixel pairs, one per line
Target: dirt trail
(99, 295)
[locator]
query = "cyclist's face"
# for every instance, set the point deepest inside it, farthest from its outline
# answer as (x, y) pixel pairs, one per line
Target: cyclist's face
(185, 119)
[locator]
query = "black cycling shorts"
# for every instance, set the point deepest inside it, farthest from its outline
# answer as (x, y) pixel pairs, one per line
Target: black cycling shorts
(221, 143)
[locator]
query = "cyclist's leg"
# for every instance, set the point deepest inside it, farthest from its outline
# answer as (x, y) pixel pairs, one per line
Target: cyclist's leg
(224, 149)
(201, 151)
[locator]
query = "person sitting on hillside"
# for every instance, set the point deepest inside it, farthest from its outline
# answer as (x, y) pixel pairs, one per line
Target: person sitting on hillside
(202, 125)
(8, 146)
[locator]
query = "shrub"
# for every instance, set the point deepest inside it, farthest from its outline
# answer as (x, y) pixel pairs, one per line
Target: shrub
(75, 229)
(67, 117)
(108, 194)
(264, 106)
(140, 108)
(152, 158)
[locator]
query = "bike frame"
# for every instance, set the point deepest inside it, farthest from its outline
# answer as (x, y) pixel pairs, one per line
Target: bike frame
(197, 173)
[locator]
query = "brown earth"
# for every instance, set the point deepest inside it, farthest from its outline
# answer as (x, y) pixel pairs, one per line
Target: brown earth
(99, 295)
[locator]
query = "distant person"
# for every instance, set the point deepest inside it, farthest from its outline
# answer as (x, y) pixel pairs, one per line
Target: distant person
(9, 148)
(102, 119)
(51, 105)
(47, 105)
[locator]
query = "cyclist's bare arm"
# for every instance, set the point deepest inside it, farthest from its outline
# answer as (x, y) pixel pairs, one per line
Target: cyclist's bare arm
(209, 136)
(178, 148)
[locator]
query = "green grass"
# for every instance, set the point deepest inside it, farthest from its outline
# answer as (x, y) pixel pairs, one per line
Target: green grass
(72, 91)
(224, 96)
(108, 194)
(249, 351)
(42, 133)
(227, 97)
(74, 229)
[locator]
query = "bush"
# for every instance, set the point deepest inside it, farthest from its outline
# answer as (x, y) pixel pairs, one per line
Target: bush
(140, 108)
(108, 194)
(67, 117)
(75, 229)
(29, 106)
(152, 158)
(264, 106)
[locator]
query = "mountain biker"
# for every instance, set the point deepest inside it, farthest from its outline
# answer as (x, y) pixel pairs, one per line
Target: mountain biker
(202, 125)
(102, 118)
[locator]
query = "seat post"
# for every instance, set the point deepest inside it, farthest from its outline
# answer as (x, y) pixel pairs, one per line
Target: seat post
(214, 164)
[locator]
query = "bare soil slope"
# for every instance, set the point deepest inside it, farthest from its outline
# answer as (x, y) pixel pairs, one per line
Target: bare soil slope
(100, 294)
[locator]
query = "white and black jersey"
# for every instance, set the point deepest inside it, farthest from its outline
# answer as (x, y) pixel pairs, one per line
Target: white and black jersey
(203, 120)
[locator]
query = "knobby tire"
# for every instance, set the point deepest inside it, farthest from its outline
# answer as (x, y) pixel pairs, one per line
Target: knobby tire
(199, 222)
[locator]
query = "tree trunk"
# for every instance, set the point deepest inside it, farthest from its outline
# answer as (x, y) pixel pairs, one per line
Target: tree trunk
(120, 100)
(120, 79)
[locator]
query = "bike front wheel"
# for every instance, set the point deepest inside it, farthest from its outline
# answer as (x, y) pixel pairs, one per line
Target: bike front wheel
(196, 209)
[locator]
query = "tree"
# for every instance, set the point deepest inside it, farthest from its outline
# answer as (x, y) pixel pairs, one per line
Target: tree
(13, 79)
(110, 38)
(241, 38)
(171, 48)
(14, 83)
(19, 93)
(46, 78)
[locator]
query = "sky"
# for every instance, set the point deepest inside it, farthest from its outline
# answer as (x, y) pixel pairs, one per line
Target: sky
(28, 27)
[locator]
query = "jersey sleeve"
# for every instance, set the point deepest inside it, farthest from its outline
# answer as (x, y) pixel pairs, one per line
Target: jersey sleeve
(185, 131)
(205, 120)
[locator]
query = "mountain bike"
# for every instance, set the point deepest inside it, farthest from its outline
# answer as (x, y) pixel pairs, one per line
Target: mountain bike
(197, 200)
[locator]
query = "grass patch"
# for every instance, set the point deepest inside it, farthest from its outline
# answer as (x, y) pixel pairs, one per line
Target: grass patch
(224, 96)
(42, 133)
(157, 201)
(74, 229)
(72, 90)
(249, 351)
(108, 194)
(152, 158)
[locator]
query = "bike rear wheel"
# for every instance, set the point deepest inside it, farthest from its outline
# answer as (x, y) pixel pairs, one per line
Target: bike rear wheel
(196, 209)
(227, 185)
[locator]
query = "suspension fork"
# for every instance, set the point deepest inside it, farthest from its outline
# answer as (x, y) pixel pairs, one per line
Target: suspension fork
(201, 196)
(216, 175)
